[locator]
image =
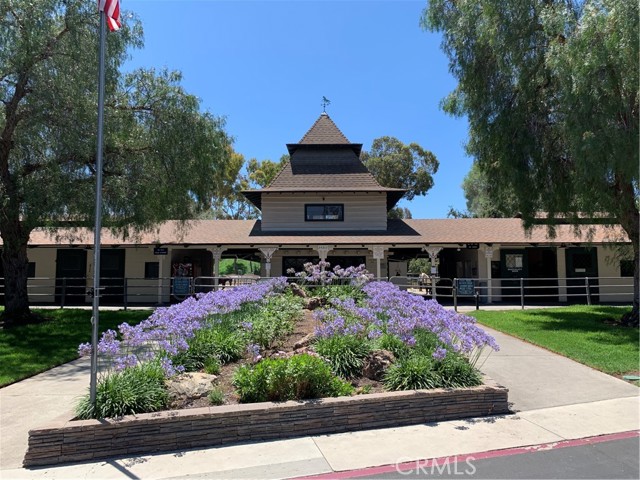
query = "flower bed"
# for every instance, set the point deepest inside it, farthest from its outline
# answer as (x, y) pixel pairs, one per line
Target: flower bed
(363, 328)
(362, 337)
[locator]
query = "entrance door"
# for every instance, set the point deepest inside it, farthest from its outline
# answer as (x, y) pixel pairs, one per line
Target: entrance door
(582, 262)
(514, 265)
(71, 271)
(112, 276)
(543, 275)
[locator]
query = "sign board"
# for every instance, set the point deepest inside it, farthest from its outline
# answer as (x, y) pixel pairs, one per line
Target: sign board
(161, 251)
(473, 246)
(181, 286)
(466, 286)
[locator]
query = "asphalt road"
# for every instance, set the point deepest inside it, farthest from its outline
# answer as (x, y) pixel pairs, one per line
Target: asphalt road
(615, 459)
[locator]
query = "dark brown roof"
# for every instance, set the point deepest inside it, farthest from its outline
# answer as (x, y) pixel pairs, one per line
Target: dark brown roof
(400, 232)
(324, 161)
(324, 132)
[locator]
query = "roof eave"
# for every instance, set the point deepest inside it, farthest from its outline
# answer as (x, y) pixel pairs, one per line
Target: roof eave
(355, 147)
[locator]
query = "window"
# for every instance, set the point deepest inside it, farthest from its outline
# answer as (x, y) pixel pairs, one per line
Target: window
(514, 262)
(324, 212)
(626, 268)
(151, 269)
(31, 270)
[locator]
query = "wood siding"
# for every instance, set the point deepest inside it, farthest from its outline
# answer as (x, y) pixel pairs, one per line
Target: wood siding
(362, 211)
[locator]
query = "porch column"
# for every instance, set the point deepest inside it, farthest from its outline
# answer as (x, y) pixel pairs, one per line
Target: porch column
(216, 252)
(268, 253)
(323, 251)
(433, 256)
(488, 255)
(160, 275)
(378, 254)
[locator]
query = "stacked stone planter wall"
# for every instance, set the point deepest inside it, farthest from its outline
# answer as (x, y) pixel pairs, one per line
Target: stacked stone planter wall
(68, 441)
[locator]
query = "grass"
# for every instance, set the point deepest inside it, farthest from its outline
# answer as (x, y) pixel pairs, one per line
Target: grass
(32, 349)
(586, 334)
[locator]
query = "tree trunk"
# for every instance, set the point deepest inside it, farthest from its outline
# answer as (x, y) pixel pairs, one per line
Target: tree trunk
(629, 217)
(631, 319)
(15, 263)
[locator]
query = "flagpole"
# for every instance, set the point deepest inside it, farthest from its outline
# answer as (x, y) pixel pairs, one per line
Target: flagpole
(98, 220)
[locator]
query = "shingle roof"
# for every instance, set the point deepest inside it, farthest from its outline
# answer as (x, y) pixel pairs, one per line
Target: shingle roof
(324, 161)
(324, 132)
(400, 232)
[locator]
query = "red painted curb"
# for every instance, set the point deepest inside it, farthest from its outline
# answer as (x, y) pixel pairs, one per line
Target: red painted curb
(452, 459)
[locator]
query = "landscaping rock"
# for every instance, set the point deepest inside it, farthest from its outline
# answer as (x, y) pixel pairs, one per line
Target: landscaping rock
(376, 363)
(304, 341)
(297, 290)
(189, 386)
(315, 302)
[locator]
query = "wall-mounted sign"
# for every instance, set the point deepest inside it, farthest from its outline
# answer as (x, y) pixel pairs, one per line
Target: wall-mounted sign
(161, 251)
(473, 246)
(466, 286)
(181, 286)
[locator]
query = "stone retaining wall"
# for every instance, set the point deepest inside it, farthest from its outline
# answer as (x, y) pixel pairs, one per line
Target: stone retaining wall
(67, 441)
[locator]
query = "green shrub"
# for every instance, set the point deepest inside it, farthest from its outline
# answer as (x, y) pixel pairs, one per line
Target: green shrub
(393, 344)
(419, 371)
(412, 373)
(216, 396)
(455, 372)
(296, 378)
(275, 320)
(138, 389)
(426, 342)
(345, 353)
(212, 366)
(220, 341)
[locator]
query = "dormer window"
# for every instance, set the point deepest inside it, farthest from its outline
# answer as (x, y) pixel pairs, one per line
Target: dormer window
(324, 212)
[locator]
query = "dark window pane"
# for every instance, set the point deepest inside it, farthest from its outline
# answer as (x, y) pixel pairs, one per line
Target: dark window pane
(324, 212)
(151, 269)
(626, 268)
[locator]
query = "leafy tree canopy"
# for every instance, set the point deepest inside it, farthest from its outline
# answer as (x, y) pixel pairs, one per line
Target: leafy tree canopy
(396, 165)
(550, 89)
(399, 212)
(163, 157)
(230, 203)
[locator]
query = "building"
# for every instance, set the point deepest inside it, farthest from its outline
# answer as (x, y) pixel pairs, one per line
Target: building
(324, 204)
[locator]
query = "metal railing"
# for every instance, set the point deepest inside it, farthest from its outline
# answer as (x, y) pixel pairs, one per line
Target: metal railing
(520, 291)
(68, 291)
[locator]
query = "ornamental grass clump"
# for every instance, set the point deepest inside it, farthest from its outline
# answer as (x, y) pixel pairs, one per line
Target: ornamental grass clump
(137, 389)
(345, 353)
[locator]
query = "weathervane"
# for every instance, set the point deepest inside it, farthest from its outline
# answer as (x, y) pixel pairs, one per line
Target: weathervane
(325, 103)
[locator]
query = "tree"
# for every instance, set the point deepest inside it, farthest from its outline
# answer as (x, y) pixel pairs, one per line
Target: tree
(163, 157)
(550, 89)
(399, 212)
(230, 203)
(483, 201)
(261, 174)
(396, 165)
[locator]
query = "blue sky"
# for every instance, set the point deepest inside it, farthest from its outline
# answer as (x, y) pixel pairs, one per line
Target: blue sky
(266, 65)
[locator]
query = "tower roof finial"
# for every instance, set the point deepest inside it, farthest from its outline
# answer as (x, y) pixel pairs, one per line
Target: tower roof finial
(325, 103)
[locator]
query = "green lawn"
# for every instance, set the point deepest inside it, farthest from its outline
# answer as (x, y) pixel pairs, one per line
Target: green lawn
(31, 349)
(586, 334)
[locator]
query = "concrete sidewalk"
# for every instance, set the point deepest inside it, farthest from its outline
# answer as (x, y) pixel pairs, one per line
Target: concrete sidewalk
(555, 399)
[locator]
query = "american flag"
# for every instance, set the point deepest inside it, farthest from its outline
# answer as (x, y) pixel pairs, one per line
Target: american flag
(111, 9)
